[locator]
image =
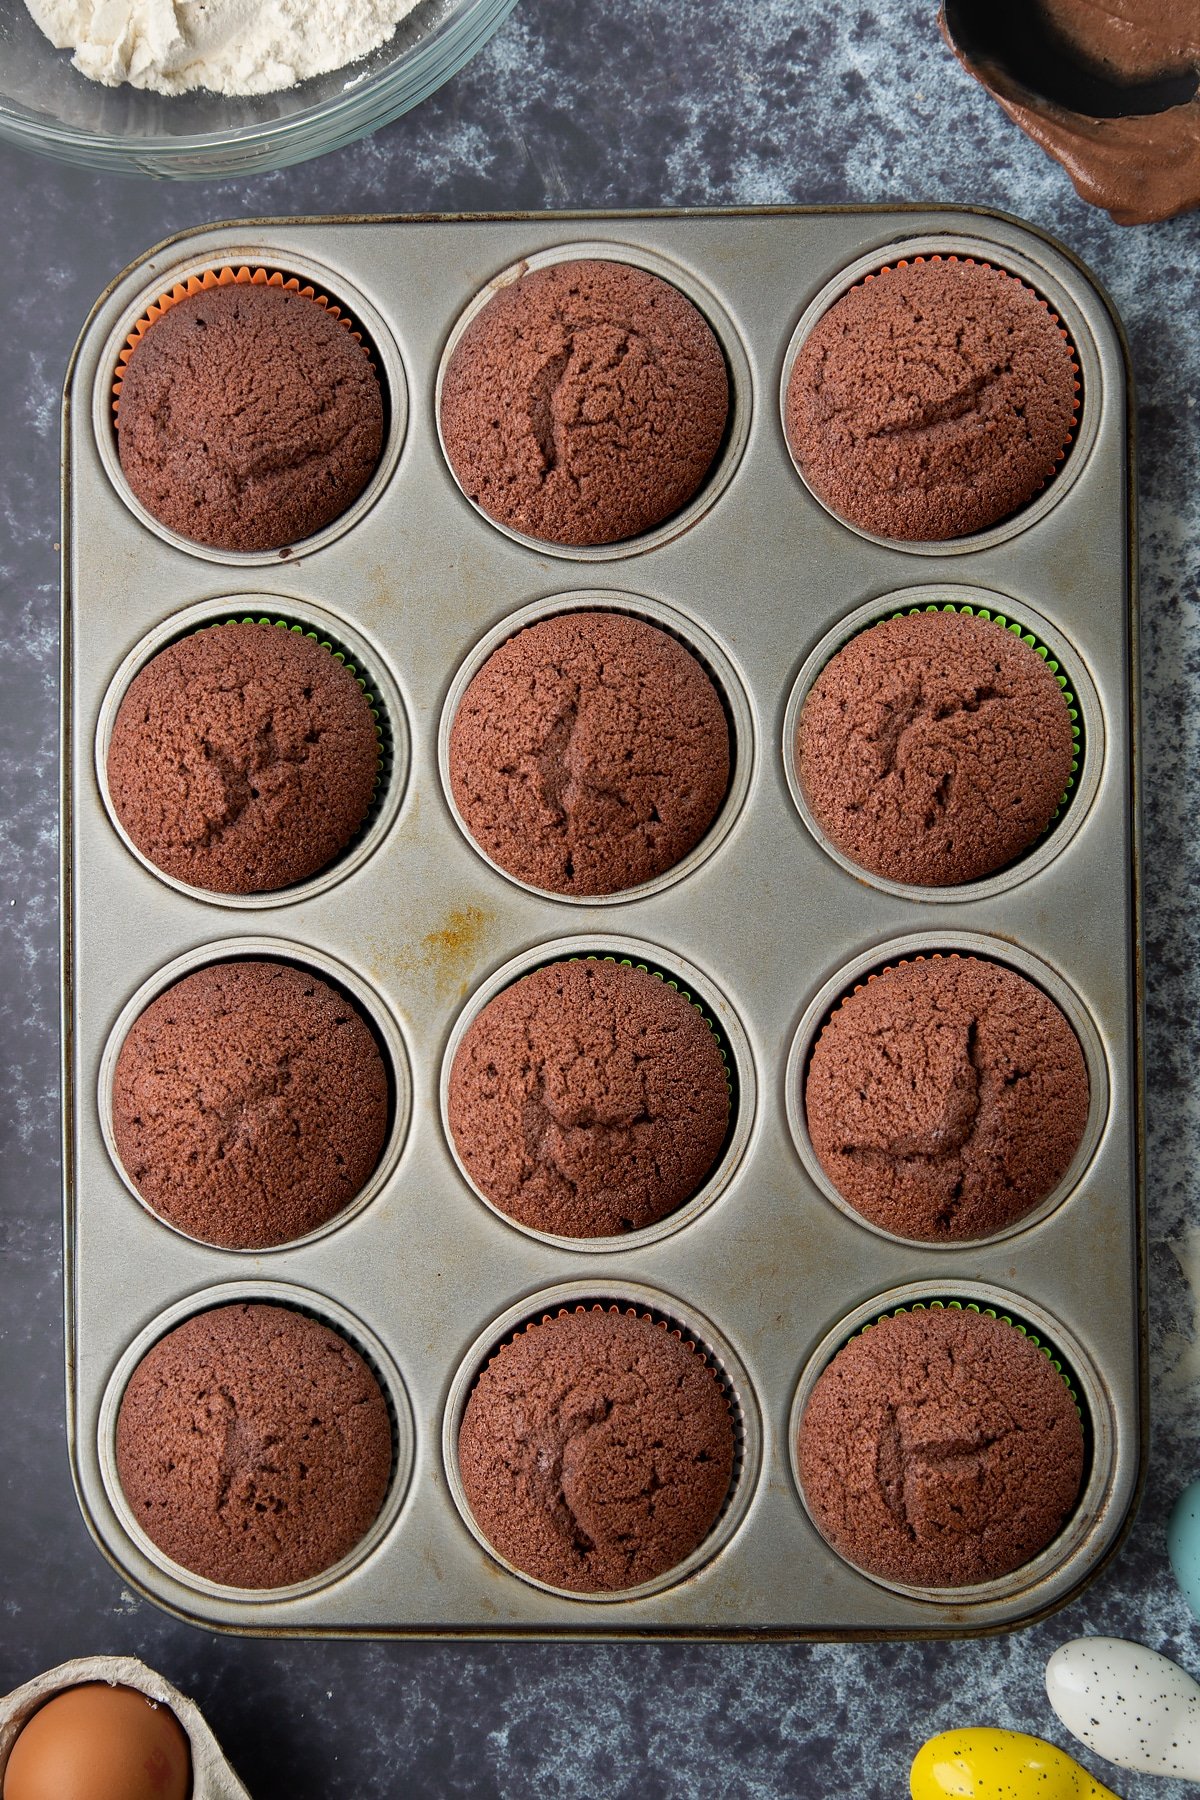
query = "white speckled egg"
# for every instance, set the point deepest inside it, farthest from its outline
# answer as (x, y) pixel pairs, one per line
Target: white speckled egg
(1135, 1707)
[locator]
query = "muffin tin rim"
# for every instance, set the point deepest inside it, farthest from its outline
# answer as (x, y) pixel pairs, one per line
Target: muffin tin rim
(717, 664)
(638, 950)
(391, 372)
(370, 663)
(1047, 286)
(1058, 833)
(924, 945)
(707, 1338)
(728, 458)
(377, 1015)
(1080, 1526)
(310, 1303)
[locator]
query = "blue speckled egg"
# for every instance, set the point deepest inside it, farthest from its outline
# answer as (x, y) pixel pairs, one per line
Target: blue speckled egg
(1183, 1544)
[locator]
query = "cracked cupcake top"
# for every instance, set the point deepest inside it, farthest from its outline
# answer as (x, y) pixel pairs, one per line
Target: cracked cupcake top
(932, 400)
(243, 758)
(588, 1099)
(585, 403)
(596, 1450)
(934, 748)
(589, 754)
(940, 1449)
(946, 1098)
(254, 1446)
(250, 1104)
(249, 418)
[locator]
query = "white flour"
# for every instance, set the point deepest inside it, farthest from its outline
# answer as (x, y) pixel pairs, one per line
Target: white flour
(229, 46)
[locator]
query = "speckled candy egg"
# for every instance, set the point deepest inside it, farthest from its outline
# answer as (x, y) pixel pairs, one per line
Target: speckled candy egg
(1130, 1704)
(982, 1762)
(1183, 1544)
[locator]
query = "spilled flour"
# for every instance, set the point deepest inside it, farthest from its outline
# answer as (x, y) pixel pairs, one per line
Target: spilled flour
(228, 46)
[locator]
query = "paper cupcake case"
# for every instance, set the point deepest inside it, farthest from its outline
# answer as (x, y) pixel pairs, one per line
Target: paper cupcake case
(1069, 1361)
(213, 1776)
(349, 648)
(728, 1035)
(1065, 662)
(349, 306)
(204, 284)
(698, 1335)
(717, 665)
(763, 928)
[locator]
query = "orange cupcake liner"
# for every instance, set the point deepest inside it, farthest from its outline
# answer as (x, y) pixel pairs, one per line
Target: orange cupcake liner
(226, 276)
(977, 262)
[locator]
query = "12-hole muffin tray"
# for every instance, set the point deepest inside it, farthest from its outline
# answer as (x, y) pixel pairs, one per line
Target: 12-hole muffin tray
(765, 925)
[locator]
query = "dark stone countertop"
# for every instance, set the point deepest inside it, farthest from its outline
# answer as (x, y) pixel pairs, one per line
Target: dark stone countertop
(579, 103)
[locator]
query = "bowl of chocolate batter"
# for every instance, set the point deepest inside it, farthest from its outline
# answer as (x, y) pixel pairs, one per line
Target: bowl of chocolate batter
(1111, 88)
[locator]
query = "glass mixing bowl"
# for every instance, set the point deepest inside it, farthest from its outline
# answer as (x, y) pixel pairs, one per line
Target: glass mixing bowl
(47, 106)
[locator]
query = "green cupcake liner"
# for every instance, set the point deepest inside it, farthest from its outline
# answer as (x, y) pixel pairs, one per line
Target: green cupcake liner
(383, 734)
(1053, 1356)
(1027, 637)
(627, 962)
(613, 1300)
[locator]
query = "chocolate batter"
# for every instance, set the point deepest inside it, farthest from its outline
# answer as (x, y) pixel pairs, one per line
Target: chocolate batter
(1108, 87)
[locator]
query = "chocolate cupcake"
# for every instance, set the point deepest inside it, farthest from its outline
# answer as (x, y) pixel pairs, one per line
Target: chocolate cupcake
(249, 418)
(589, 754)
(941, 1448)
(588, 1099)
(932, 400)
(254, 1446)
(585, 403)
(243, 758)
(935, 748)
(946, 1098)
(596, 1450)
(249, 1104)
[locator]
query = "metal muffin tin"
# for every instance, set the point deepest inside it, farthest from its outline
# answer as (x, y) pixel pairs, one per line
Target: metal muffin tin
(756, 574)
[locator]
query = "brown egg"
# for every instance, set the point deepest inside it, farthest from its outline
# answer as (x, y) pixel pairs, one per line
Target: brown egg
(100, 1743)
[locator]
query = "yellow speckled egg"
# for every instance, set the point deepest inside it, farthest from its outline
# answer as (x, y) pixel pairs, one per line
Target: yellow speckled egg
(983, 1762)
(98, 1742)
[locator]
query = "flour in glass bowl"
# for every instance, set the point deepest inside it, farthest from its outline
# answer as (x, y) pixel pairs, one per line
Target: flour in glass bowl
(227, 46)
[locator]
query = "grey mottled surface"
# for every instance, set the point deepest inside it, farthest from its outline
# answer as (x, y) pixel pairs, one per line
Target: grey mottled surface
(592, 103)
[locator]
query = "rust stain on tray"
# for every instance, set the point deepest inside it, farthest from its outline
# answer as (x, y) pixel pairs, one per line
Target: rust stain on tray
(450, 952)
(445, 958)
